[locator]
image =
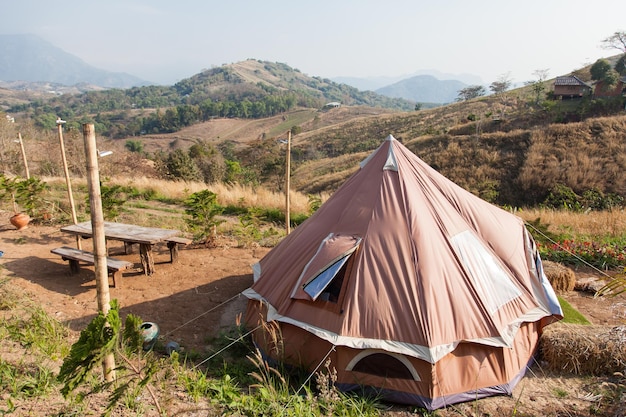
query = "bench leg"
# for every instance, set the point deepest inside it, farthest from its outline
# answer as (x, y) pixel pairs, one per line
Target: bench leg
(173, 247)
(128, 248)
(74, 266)
(117, 279)
(147, 260)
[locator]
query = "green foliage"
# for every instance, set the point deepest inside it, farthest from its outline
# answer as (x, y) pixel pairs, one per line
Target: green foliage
(596, 200)
(181, 167)
(249, 229)
(274, 394)
(112, 200)
(22, 380)
(134, 145)
(27, 194)
(315, 202)
(102, 337)
(218, 92)
(202, 210)
(600, 69)
(488, 190)
(41, 332)
(603, 255)
(96, 342)
(563, 197)
(620, 65)
(541, 231)
(615, 286)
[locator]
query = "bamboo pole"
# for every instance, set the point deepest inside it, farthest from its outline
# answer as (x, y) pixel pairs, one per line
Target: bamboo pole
(19, 139)
(99, 240)
(288, 184)
(67, 178)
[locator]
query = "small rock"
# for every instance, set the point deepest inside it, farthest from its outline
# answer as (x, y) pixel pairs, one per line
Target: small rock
(589, 284)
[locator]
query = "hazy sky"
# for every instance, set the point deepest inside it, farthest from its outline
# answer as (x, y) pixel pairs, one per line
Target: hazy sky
(166, 41)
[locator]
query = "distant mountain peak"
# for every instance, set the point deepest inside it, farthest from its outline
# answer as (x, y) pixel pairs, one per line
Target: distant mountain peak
(27, 57)
(424, 89)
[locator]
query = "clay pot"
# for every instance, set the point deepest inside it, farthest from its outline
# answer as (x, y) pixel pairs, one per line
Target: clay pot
(20, 220)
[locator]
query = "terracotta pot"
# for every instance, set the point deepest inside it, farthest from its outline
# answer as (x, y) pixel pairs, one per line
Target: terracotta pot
(20, 220)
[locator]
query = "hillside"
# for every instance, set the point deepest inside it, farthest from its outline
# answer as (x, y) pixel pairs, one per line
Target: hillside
(250, 90)
(512, 149)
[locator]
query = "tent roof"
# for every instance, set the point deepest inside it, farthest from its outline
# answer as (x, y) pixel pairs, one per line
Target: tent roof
(436, 265)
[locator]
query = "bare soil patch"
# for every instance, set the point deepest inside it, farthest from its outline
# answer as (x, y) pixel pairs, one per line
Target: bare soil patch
(197, 297)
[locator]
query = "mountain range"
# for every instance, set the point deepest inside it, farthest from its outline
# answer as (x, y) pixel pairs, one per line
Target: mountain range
(31, 59)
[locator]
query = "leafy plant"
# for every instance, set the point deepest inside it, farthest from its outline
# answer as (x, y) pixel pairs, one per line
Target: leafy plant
(202, 210)
(616, 286)
(26, 194)
(104, 336)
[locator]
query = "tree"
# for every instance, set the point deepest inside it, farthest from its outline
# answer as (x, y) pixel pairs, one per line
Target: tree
(616, 41)
(181, 167)
(471, 92)
(134, 145)
(601, 71)
(501, 85)
(538, 86)
(620, 65)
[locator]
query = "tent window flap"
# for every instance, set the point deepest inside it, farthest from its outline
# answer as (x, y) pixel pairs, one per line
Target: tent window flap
(329, 260)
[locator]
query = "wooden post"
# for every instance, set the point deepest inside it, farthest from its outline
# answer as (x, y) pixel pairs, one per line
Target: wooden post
(288, 184)
(99, 240)
(19, 139)
(67, 178)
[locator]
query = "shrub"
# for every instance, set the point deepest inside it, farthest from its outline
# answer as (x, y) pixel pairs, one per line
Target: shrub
(202, 208)
(562, 196)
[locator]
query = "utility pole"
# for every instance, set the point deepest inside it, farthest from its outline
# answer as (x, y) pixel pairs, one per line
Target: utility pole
(99, 240)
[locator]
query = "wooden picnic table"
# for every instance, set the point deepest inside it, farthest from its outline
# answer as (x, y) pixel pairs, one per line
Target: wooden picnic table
(130, 234)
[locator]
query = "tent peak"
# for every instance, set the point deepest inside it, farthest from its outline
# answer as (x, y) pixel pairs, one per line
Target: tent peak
(390, 137)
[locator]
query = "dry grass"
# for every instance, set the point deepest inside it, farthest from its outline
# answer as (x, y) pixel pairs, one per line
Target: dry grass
(584, 350)
(608, 223)
(227, 194)
(561, 278)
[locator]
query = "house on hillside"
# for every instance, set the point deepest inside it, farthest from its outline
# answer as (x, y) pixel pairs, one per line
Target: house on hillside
(601, 90)
(571, 87)
(332, 105)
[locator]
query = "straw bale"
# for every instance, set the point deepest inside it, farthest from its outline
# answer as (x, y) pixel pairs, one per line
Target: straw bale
(584, 350)
(561, 277)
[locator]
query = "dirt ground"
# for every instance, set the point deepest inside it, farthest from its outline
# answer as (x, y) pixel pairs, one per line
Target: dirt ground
(190, 300)
(197, 297)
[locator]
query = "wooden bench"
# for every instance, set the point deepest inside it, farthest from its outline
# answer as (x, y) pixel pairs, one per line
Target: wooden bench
(172, 244)
(75, 256)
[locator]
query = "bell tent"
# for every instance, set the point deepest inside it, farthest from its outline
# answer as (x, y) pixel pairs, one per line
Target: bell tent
(411, 286)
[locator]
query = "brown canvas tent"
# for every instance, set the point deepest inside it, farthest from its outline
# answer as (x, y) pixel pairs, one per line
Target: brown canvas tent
(410, 285)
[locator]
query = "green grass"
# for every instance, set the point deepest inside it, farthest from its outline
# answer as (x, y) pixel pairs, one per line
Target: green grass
(571, 315)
